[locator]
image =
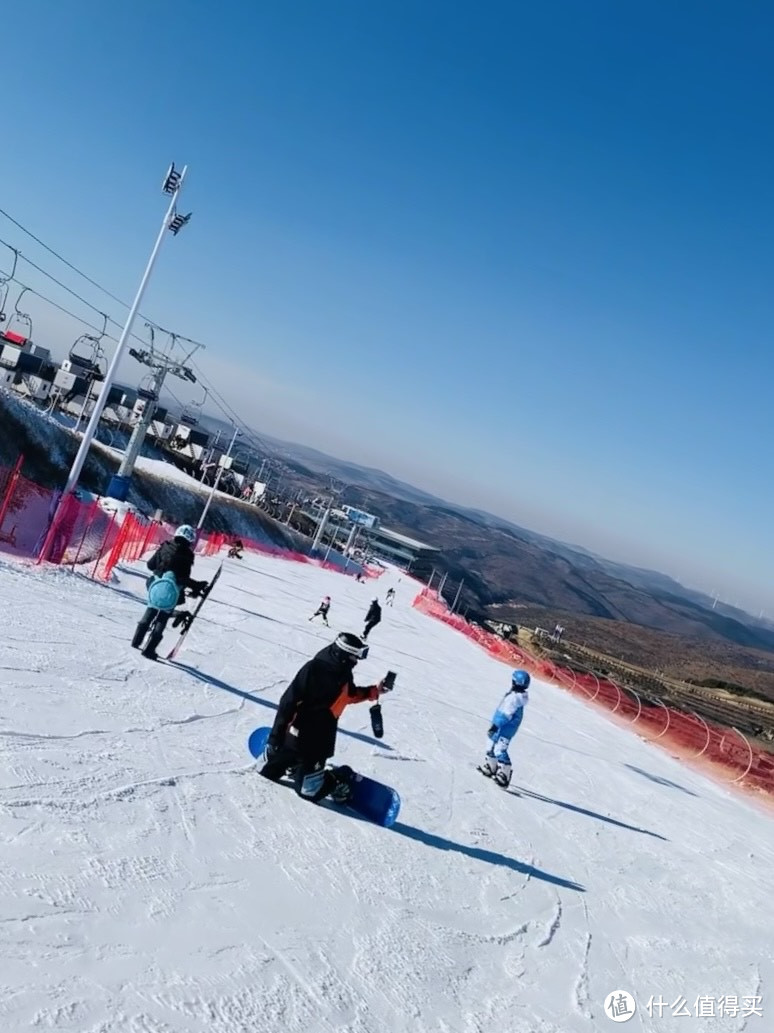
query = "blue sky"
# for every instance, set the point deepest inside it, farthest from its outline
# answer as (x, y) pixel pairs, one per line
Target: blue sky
(517, 253)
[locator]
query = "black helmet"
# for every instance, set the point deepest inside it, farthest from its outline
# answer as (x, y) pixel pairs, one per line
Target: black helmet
(349, 648)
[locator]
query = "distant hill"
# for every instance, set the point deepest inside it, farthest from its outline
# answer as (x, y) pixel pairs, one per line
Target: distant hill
(506, 566)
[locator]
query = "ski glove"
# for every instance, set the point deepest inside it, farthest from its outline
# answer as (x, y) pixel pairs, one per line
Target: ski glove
(182, 617)
(493, 730)
(198, 588)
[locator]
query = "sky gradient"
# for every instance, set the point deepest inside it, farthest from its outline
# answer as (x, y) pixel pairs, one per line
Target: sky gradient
(518, 254)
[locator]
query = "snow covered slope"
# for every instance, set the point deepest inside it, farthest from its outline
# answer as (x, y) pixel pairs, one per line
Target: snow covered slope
(152, 882)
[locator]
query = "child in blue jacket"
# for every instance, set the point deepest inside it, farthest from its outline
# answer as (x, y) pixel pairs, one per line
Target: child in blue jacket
(505, 724)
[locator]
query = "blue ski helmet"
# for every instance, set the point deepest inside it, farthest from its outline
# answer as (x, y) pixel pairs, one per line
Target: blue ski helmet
(520, 679)
(186, 532)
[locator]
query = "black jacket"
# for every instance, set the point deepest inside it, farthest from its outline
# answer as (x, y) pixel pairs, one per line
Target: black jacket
(178, 556)
(313, 703)
(374, 614)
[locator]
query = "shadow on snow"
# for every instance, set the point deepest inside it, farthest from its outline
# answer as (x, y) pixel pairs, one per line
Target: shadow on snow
(590, 814)
(488, 856)
(216, 683)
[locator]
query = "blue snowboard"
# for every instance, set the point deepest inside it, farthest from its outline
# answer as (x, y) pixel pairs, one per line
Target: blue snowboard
(372, 800)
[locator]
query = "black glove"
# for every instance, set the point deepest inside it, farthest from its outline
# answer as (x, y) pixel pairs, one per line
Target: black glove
(198, 588)
(182, 617)
(493, 730)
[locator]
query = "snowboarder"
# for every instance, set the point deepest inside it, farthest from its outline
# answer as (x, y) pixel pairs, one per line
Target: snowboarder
(235, 552)
(505, 724)
(176, 556)
(373, 617)
(390, 598)
(322, 611)
(303, 736)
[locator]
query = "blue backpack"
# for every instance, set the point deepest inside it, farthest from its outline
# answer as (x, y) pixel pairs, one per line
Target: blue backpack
(163, 592)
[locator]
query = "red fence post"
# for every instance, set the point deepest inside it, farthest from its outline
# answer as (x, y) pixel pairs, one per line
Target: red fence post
(10, 489)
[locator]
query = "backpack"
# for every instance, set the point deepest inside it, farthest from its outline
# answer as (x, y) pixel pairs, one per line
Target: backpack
(163, 592)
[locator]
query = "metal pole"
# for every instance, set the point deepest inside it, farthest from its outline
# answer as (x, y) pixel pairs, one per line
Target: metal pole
(99, 405)
(138, 434)
(321, 527)
(217, 480)
(457, 596)
(440, 587)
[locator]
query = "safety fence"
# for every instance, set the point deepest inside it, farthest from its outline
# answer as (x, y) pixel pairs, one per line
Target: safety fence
(687, 733)
(94, 534)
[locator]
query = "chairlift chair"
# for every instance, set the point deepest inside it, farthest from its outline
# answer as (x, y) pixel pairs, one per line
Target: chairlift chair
(5, 286)
(87, 356)
(146, 391)
(20, 323)
(190, 413)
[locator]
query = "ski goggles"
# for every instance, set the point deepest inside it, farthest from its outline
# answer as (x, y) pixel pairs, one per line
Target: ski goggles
(357, 652)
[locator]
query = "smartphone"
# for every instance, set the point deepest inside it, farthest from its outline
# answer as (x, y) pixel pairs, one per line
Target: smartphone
(389, 680)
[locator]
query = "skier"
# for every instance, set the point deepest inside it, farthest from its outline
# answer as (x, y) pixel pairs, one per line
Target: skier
(176, 556)
(373, 617)
(303, 736)
(390, 596)
(235, 552)
(322, 611)
(505, 724)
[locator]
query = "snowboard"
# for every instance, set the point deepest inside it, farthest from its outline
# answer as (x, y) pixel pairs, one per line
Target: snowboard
(370, 799)
(177, 646)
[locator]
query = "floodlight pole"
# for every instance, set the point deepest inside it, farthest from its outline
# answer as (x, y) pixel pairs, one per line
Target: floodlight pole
(99, 405)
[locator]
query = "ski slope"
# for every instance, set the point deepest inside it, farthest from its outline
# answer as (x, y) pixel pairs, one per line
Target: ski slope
(152, 882)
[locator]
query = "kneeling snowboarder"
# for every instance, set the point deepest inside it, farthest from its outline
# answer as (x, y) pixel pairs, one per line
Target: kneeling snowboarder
(303, 736)
(505, 724)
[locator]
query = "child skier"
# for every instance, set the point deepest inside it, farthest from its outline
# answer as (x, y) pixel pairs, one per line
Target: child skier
(322, 611)
(505, 724)
(390, 596)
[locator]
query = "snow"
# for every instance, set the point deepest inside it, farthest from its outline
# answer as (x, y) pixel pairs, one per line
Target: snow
(152, 882)
(161, 468)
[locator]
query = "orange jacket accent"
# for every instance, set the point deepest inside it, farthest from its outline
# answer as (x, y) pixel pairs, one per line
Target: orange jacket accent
(344, 698)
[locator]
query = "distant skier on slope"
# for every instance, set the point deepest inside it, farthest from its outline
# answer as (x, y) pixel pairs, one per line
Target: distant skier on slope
(373, 617)
(505, 724)
(303, 736)
(175, 556)
(390, 598)
(322, 610)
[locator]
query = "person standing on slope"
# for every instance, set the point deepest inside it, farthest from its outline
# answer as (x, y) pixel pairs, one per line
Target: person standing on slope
(390, 596)
(322, 610)
(303, 736)
(505, 724)
(177, 556)
(373, 617)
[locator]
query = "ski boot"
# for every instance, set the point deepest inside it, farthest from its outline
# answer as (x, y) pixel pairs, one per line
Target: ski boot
(503, 775)
(489, 767)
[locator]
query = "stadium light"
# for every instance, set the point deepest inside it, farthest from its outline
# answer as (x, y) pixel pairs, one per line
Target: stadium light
(171, 186)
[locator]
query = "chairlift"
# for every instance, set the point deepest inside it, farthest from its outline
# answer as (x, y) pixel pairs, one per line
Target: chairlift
(190, 414)
(87, 356)
(146, 389)
(5, 286)
(21, 329)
